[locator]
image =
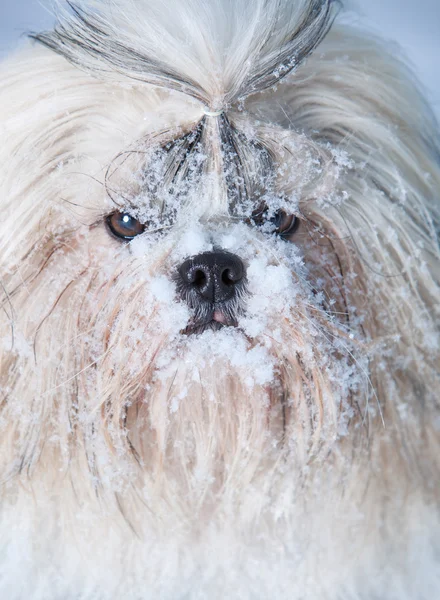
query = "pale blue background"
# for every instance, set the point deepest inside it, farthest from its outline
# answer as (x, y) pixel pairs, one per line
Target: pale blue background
(414, 24)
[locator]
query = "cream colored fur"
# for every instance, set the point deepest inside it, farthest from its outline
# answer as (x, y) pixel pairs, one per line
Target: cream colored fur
(294, 457)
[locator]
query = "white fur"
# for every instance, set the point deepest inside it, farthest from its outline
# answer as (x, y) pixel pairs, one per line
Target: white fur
(296, 456)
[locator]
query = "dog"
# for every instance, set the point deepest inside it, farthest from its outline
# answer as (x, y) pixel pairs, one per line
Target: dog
(219, 289)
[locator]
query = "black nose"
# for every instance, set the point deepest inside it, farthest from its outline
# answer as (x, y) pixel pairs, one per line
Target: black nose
(214, 276)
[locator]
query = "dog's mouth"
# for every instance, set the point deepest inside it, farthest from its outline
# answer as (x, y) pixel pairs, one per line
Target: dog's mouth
(217, 319)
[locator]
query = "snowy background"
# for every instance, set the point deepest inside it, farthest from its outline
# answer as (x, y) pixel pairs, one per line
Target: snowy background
(415, 25)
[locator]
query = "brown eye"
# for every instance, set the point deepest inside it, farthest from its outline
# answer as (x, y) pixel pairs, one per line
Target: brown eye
(124, 226)
(285, 225)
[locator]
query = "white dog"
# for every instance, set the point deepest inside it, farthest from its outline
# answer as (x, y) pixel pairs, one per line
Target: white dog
(219, 281)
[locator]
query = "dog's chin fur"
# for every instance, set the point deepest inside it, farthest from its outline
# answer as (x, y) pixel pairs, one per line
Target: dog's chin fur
(288, 447)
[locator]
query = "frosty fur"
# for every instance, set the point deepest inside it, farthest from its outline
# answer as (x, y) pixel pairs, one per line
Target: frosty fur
(293, 457)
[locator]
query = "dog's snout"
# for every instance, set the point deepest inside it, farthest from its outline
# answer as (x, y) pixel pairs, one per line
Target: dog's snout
(214, 276)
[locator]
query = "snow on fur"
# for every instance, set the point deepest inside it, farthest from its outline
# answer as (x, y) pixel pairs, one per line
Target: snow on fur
(290, 456)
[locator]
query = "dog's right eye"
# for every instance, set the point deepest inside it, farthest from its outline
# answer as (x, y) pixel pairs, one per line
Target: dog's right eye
(124, 226)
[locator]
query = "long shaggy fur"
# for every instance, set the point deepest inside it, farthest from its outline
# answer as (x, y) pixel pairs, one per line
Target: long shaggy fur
(293, 456)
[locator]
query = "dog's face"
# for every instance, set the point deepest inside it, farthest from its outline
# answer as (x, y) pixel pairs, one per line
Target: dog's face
(223, 307)
(195, 338)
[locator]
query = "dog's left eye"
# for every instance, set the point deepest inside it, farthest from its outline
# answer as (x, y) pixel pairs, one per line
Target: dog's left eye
(284, 224)
(124, 226)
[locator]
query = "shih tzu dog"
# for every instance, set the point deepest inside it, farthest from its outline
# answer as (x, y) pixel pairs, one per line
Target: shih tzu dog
(219, 279)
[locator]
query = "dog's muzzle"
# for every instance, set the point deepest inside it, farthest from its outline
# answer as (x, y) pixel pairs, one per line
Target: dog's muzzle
(212, 284)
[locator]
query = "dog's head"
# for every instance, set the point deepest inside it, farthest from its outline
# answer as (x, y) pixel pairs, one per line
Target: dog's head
(217, 251)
